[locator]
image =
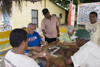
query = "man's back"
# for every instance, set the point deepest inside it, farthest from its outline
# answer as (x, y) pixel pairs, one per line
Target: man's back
(94, 30)
(87, 56)
(18, 60)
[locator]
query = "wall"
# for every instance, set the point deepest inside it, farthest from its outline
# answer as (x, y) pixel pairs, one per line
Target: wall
(54, 9)
(21, 19)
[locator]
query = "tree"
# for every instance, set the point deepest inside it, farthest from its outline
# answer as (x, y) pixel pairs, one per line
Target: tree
(65, 3)
(7, 4)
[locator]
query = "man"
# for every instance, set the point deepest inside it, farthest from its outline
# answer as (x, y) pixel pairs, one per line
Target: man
(49, 26)
(66, 37)
(37, 29)
(88, 54)
(34, 39)
(16, 56)
(94, 28)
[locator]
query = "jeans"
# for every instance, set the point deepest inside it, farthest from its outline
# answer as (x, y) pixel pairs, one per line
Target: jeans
(40, 64)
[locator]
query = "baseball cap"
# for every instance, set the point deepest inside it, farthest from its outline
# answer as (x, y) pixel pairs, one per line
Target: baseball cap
(45, 11)
(70, 28)
(80, 33)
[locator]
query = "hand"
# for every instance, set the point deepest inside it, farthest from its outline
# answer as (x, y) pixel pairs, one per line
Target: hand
(57, 40)
(58, 43)
(37, 48)
(64, 43)
(48, 57)
(46, 43)
(44, 33)
(41, 54)
(58, 34)
(63, 51)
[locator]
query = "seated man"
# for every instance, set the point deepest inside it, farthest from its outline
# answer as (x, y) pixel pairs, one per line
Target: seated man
(37, 30)
(88, 54)
(16, 56)
(66, 37)
(34, 39)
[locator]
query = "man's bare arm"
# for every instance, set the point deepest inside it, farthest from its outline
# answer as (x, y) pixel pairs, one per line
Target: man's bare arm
(68, 61)
(69, 44)
(57, 27)
(44, 33)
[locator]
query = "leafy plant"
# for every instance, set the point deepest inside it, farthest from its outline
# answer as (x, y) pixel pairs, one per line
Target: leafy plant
(65, 3)
(7, 4)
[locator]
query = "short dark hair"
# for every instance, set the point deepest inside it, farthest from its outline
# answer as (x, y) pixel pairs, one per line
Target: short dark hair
(94, 13)
(17, 36)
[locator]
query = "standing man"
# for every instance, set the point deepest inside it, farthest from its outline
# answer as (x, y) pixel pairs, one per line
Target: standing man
(49, 26)
(94, 28)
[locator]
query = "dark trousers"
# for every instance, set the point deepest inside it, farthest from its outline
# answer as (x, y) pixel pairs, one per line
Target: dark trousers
(40, 64)
(49, 40)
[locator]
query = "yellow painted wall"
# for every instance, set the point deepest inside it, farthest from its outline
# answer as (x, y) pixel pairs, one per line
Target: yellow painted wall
(54, 9)
(21, 19)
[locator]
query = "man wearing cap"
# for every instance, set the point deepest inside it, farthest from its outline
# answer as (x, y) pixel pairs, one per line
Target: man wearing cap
(66, 37)
(94, 28)
(49, 26)
(88, 54)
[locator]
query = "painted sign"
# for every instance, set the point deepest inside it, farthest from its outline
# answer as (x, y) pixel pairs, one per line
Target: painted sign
(71, 17)
(83, 12)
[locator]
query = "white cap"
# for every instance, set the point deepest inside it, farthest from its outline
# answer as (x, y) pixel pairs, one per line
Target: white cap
(70, 28)
(34, 22)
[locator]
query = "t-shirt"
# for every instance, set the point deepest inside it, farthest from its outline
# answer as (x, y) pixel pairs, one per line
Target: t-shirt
(65, 37)
(50, 26)
(33, 40)
(19, 60)
(87, 56)
(94, 30)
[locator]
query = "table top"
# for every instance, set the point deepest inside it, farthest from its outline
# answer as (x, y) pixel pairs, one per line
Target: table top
(58, 61)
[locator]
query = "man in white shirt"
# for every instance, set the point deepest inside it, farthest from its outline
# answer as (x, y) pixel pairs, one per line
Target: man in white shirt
(88, 54)
(16, 57)
(94, 28)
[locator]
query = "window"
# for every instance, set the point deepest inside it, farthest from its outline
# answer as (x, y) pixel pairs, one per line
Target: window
(35, 16)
